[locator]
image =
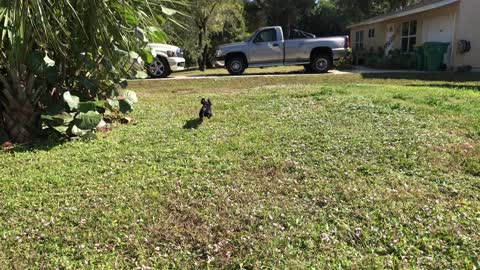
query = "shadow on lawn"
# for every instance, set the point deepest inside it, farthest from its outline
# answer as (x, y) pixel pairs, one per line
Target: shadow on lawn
(43, 143)
(193, 123)
(300, 71)
(449, 86)
(434, 76)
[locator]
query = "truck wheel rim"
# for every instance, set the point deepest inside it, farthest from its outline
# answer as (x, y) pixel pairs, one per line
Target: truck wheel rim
(321, 64)
(236, 66)
(157, 68)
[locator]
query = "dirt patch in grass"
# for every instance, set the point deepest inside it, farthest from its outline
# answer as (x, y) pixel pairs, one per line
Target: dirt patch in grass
(462, 156)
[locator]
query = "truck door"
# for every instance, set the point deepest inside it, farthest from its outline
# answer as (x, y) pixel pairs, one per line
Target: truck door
(266, 48)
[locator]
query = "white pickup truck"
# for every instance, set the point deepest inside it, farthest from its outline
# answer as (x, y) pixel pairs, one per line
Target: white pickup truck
(168, 59)
(267, 47)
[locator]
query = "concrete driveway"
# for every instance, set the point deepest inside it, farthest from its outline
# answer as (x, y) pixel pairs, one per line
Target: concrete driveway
(355, 70)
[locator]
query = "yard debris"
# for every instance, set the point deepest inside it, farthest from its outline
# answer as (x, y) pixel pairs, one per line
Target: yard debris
(8, 146)
(103, 127)
(126, 120)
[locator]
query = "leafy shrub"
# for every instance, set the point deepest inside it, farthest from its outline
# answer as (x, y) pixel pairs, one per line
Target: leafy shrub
(74, 118)
(345, 62)
(376, 59)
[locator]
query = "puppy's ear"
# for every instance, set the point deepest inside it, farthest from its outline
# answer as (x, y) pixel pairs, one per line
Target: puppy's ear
(209, 102)
(203, 101)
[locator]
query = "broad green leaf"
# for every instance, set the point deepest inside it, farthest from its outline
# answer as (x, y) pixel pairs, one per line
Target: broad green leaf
(90, 135)
(51, 74)
(88, 121)
(102, 124)
(63, 118)
(55, 108)
(76, 131)
(156, 35)
(113, 104)
(108, 65)
(146, 56)
(125, 107)
(88, 83)
(72, 101)
(130, 97)
(168, 11)
(87, 106)
(140, 74)
(133, 55)
(87, 60)
(36, 63)
(141, 34)
(123, 83)
(48, 62)
(61, 129)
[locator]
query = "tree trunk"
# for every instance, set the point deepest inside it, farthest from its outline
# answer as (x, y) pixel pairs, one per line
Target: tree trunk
(200, 45)
(22, 123)
(205, 57)
(203, 47)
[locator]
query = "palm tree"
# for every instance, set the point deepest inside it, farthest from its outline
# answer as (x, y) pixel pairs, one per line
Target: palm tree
(51, 46)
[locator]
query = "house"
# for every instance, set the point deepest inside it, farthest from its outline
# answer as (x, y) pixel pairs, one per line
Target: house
(452, 21)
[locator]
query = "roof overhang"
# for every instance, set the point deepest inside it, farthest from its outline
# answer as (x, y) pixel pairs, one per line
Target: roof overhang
(400, 14)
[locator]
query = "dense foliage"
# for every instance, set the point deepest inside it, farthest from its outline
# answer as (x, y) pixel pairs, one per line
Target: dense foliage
(325, 17)
(208, 23)
(212, 22)
(50, 47)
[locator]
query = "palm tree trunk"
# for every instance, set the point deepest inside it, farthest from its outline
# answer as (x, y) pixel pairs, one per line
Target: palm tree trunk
(22, 123)
(20, 115)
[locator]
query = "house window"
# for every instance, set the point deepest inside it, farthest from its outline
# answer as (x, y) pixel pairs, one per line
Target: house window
(371, 33)
(359, 40)
(409, 36)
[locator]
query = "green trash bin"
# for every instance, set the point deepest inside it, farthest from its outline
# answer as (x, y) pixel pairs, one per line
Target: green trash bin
(434, 52)
(420, 58)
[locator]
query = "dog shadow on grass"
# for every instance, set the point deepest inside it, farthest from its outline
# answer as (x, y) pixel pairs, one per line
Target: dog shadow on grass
(194, 123)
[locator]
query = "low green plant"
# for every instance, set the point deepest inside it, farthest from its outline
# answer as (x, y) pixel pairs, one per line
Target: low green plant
(345, 62)
(73, 118)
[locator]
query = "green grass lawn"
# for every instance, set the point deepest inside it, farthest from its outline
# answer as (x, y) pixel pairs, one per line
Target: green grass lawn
(304, 172)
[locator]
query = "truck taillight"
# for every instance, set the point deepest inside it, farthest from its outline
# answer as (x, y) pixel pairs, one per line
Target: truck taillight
(347, 42)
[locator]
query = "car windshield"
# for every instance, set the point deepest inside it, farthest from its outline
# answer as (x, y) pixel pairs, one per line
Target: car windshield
(251, 37)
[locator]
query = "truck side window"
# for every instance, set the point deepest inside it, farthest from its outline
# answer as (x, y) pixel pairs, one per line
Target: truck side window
(268, 35)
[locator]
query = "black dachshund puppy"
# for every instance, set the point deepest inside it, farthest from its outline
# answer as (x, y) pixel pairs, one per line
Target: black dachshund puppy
(206, 110)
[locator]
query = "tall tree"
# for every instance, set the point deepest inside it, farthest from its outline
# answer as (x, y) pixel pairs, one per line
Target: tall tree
(208, 21)
(285, 13)
(355, 10)
(324, 20)
(331, 17)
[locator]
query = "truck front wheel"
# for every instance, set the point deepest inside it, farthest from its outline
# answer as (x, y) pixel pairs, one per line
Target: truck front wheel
(236, 65)
(159, 68)
(321, 63)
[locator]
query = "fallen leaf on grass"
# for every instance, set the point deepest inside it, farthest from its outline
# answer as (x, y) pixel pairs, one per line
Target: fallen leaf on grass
(8, 146)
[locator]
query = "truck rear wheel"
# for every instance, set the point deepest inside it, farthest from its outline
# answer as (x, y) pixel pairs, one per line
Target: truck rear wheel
(236, 65)
(321, 63)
